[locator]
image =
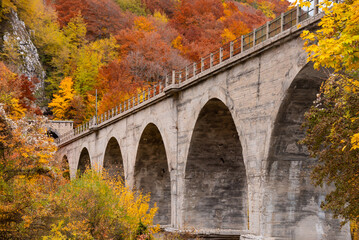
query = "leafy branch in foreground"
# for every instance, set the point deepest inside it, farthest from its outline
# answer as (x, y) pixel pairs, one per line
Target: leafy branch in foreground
(333, 123)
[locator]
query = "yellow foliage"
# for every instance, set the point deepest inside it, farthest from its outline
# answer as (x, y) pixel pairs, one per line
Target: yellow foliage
(143, 24)
(96, 206)
(61, 102)
(266, 8)
(355, 141)
(162, 17)
(354, 229)
(227, 36)
(177, 43)
(16, 111)
(29, 175)
(335, 44)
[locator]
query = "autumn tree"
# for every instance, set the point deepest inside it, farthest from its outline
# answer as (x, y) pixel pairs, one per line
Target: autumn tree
(27, 177)
(97, 207)
(103, 17)
(134, 6)
(333, 123)
(164, 6)
(61, 103)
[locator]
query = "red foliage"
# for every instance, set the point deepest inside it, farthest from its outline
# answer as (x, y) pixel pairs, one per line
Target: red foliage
(164, 6)
(117, 85)
(19, 87)
(103, 17)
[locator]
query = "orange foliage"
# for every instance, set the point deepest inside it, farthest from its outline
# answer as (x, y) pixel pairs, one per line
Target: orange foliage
(103, 17)
(20, 88)
(151, 46)
(117, 85)
(164, 6)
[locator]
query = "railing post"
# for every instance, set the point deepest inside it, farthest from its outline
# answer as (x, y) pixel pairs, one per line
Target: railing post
(194, 69)
(242, 43)
(298, 15)
(267, 30)
(116, 110)
(316, 8)
(173, 77)
(166, 82)
(211, 60)
(231, 49)
(133, 101)
(220, 55)
(202, 64)
(254, 37)
(281, 22)
(154, 90)
(159, 87)
(186, 72)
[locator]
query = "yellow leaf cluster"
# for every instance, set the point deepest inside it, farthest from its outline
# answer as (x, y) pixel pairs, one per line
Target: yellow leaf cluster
(100, 207)
(177, 43)
(143, 24)
(162, 17)
(336, 44)
(61, 102)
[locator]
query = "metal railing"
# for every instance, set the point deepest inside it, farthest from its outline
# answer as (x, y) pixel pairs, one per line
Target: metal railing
(227, 51)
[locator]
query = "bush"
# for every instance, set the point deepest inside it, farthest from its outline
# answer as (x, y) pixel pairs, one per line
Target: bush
(96, 207)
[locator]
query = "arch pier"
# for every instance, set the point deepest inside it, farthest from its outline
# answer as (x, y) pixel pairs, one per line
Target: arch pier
(219, 151)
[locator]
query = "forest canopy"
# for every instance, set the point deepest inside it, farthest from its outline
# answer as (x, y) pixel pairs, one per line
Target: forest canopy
(121, 46)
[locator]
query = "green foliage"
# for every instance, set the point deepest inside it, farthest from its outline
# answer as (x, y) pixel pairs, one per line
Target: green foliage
(89, 60)
(134, 6)
(95, 207)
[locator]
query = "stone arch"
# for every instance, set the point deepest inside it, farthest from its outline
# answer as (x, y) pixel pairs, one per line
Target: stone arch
(65, 167)
(84, 161)
(113, 161)
(152, 174)
(291, 201)
(216, 189)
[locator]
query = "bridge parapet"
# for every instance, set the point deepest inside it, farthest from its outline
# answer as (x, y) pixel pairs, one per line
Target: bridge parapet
(290, 23)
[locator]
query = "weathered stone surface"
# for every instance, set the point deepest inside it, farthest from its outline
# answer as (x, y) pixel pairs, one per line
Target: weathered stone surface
(224, 150)
(16, 35)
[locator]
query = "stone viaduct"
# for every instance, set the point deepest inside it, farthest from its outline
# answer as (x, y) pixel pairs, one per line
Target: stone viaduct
(216, 144)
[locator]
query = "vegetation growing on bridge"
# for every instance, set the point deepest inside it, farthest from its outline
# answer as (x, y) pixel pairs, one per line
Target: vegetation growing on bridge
(333, 122)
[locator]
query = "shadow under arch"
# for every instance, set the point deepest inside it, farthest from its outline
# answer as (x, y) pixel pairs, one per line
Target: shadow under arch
(65, 167)
(152, 174)
(84, 162)
(216, 190)
(292, 203)
(113, 162)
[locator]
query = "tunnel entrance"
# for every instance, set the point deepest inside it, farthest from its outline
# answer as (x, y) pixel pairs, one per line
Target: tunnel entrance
(113, 163)
(215, 178)
(151, 173)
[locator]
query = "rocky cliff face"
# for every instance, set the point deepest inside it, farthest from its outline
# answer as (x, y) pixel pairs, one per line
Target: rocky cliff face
(17, 37)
